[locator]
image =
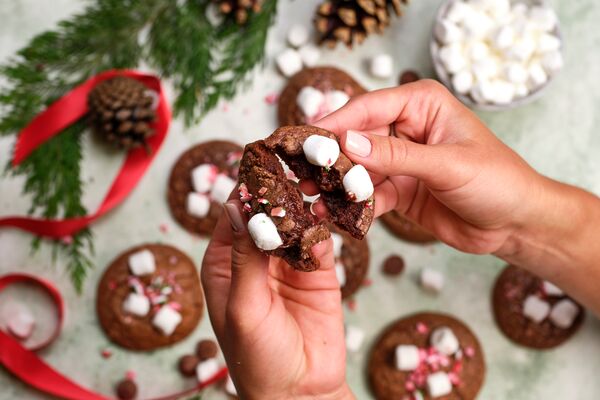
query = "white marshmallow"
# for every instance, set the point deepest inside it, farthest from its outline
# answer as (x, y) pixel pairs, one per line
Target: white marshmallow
(535, 308)
(448, 32)
(515, 73)
(444, 340)
(438, 384)
(336, 99)
(142, 263)
(203, 177)
(432, 280)
(458, 12)
(137, 304)
(477, 51)
(547, 43)
(407, 357)
(310, 100)
(537, 76)
(521, 90)
(503, 92)
(338, 242)
(354, 338)
(297, 35)
(564, 313)
(230, 387)
(19, 321)
(264, 232)
(358, 183)
(453, 58)
(166, 320)
(551, 289)
(207, 369)
(484, 91)
(321, 151)
(289, 62)
(519, 10)
(310, 54)
(544, 18)
(552, 62)
(476, 94)
(478, 25)
(504, 37)
(463, 81)
(498, 9)
(197, 204)
(486, 69)
(382, 66)
(522, 49)
(340, 273)
(222, 188)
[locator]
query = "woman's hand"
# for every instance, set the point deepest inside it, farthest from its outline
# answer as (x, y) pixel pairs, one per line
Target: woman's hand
(281, 331)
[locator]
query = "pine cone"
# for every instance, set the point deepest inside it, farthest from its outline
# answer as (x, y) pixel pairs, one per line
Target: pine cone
(121, 109)
(240, 10)
(351, 21)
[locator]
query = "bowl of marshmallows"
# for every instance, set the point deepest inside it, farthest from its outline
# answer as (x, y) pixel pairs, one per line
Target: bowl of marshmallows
(496, 54)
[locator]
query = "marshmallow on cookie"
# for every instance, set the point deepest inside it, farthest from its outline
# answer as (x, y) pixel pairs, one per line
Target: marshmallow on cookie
(166, 320)
(316, 104)
(357, 184)
(264, 232)
(142, 263)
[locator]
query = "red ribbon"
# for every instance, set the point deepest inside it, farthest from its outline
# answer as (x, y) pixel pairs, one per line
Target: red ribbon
(63, 113)
(31, 369)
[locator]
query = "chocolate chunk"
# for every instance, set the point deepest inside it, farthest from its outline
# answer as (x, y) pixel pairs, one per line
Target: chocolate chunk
(393, 265)
(206, 349)
(187, 365)
(126, 390)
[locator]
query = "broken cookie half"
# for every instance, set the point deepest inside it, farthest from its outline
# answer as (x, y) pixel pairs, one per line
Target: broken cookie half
(278, 221)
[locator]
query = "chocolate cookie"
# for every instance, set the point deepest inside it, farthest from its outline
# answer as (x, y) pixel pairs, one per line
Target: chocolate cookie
(406, 229)
(225, 157)
(464, 368)
(513, 286)
(174, 284)
(324, 79)
(267, 193)
(354, 259)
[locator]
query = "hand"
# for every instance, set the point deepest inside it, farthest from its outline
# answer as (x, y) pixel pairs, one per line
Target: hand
(281, 330)
(443, 168)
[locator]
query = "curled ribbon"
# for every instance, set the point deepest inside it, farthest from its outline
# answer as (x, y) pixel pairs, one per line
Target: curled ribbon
(63, 113)
(26, 365)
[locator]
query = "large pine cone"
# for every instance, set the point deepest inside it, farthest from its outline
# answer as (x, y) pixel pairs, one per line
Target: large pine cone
(122, 110)
(240, 10)
(351, 21)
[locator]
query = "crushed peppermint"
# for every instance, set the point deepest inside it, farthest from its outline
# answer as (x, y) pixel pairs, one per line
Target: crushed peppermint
(234, 158)
(291, 175)
(262, 190)
(263, 201)
(106, 353)
(130, 375)
(245, 195)
(278, 212)
(163, 228)
(271, 98)
(369, 203)
(175, 306)
(422, 328)
(247, 207)
(469, 351)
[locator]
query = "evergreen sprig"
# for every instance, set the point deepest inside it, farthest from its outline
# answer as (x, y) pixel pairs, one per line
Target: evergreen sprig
(205, 62)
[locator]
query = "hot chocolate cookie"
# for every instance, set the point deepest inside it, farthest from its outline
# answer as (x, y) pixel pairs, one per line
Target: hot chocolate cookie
(405, 228)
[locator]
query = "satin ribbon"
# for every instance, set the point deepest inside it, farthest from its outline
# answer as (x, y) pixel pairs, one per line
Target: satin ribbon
(63, 113)
(31, 369)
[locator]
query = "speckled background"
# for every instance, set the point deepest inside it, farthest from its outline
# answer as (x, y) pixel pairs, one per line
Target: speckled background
(556, 134)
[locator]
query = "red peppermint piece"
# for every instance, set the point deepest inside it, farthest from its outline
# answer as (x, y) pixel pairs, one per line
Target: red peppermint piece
(130, 375)
(106, 353)
(271, 98)
(454, 378)
(422, 328)
(469, 351)
(164, 228)
(278, 212)
(247, 207)
(352, 305)
(175, 306)
(367, 282)
(262, 190)
(263, 201)
(409, 386)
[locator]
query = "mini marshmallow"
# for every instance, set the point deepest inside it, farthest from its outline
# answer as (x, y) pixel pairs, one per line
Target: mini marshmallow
(521, 90)
(438, 384)
(203, 177)
(504, 37)
(340, 273)
(142, 263)
(564, 313)
(515, 73)
(21, 322)
(552, 62)
(407, 357)
(547, 43)
(544, 18)
(207, 369)
(444, 340)
(382, 66)
(166, 320)
(551, 289)
(264, 232)
(230, 386)
(458, 12)
(289, 62)
(448, 32)
(297, 35)
(463, 81)
(310, 54)
(197, 204)
(519, 10)
(222, 188)
(357, 183)
(498, 9)
(477, 51)
(477, 25)
(535, 308)
(432, 280)
(453, 58)
(537, 76)
(354, 338)
(136, 304)
(503, 92)
(522, 49)
(310, 101)
(336, 99)
(484, 91)
(321, 151)
(485, 69)
(338, 242)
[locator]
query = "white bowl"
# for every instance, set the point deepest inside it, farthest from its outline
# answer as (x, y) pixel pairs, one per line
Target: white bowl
(445, 78)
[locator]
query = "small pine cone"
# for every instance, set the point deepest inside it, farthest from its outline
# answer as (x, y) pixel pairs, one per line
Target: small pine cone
(239, 10)
(122, 111)
(351, 21)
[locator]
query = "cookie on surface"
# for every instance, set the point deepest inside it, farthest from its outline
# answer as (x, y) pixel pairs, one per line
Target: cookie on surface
(351, 261)
(533, 312)
(149, 297)
(405, 229)
(313, 93)
(428, 354)
(200, 182)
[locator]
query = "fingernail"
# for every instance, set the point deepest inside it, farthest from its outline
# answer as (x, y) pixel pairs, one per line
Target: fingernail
(357, 144)
(235, 217)
(320, 248)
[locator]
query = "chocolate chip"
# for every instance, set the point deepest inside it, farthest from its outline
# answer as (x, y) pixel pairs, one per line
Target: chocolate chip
(408, 77)
(188, 364)
(126, 390)
(206, 349)
(393, 265)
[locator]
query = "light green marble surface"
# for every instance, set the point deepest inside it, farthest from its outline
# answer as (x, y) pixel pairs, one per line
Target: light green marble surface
(557, 135)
